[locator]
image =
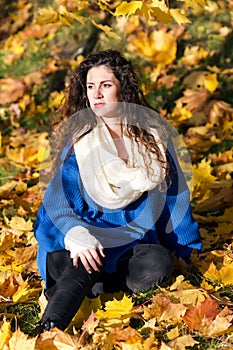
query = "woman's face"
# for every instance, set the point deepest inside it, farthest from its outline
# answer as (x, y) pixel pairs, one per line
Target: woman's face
(103, 90)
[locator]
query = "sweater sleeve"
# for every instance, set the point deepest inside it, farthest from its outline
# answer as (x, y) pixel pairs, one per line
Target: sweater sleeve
(61, 208)
(176, 227)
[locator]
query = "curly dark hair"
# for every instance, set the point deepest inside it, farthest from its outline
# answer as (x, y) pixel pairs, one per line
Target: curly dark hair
(137, 122)
(76, 94)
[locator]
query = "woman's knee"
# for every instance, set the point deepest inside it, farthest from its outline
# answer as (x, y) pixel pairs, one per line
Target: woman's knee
(148, 266)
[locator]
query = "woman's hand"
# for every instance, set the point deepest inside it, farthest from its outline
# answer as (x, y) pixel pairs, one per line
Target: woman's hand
(84, 246)
(90, 258)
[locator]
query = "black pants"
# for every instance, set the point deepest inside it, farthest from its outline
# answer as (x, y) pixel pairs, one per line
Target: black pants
(139, 269)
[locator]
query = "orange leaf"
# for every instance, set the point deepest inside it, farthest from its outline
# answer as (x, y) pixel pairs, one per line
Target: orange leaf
(194, 317)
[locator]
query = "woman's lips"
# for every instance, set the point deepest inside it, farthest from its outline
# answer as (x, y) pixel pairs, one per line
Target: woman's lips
(99, 104)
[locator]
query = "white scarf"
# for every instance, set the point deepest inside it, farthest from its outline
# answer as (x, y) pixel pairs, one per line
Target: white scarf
(108, 180)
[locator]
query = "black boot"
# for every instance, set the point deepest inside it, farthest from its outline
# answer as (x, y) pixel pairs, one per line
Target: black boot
(44, 326)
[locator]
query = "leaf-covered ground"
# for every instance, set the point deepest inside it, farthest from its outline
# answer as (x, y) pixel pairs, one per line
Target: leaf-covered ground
(187, 74)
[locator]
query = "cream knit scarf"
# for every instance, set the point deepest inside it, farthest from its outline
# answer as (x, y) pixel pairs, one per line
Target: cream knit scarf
(108, 180)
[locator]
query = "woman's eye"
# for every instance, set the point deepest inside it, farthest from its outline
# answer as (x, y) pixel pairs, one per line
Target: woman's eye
(89, 86)
(107, 85)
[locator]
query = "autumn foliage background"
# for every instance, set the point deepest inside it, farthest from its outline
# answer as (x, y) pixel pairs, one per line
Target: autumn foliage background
(184, 57)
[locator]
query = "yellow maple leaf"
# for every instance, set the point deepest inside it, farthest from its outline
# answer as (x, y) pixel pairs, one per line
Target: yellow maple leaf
(66, 16)
(212, 273)
(226, 274)
(173, 333)
(20, 224)
(159, 46)
(13, 267)
(187, 296)
(224, 228)
(15, 44)
(23, 293)
(128, 8)
(162, 16)
(195, 3)
(6, 241)
(56, 98)
(192, 56)
(107, 30)
(179, 16)
(205, 285)
(103, 4)
(46, 15)
(87, 307)
(202, 172)
(5, 334)
(116, 308)
(210, 82)
(19, 340)
(44, 150)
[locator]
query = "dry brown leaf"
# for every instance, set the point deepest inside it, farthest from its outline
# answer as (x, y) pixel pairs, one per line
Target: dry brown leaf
(90, 324)
(173, 313)
(128, 335)
(57, 339)
(11, 89)
(24, 255)
(194, 100)
(8, 287)
(182, 342)
(220, 325)
(156, 309)
(34, 78)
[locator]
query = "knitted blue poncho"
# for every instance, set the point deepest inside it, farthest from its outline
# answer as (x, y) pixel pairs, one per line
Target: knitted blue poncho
(155, 217)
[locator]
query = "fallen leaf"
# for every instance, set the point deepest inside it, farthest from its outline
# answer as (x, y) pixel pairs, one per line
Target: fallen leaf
(90, 324)
(20, 224)
(181, 343)
(116, 308)
(19, 340)
(23, 293)
(24, 255)
(57, 339)
(11, 89)
(194, 317)
(5, 334)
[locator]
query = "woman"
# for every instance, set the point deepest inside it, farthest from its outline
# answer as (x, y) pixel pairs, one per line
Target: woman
(117, 208)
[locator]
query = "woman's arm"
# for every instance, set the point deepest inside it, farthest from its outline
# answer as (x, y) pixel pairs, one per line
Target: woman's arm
(176, 227)
(59, 224)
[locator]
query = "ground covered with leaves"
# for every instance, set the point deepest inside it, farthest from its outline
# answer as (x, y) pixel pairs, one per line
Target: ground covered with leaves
(186, 74)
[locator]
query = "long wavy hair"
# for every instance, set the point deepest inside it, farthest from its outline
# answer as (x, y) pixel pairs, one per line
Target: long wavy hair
(75, 123)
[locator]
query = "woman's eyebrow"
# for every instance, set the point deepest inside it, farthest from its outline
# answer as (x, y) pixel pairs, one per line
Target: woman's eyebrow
(101, 82)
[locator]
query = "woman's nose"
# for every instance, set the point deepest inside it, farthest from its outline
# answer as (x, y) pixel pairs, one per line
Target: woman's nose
(97, 92)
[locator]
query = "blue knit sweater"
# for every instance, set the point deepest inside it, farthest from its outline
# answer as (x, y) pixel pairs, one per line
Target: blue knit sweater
(155, 217)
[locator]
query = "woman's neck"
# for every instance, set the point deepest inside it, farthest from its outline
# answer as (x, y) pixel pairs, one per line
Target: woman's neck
(115, 129)
(114, 126)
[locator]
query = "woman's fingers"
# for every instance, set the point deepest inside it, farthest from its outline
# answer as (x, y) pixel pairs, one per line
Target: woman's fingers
(102, 252)
(90, 260)
(75, 261)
